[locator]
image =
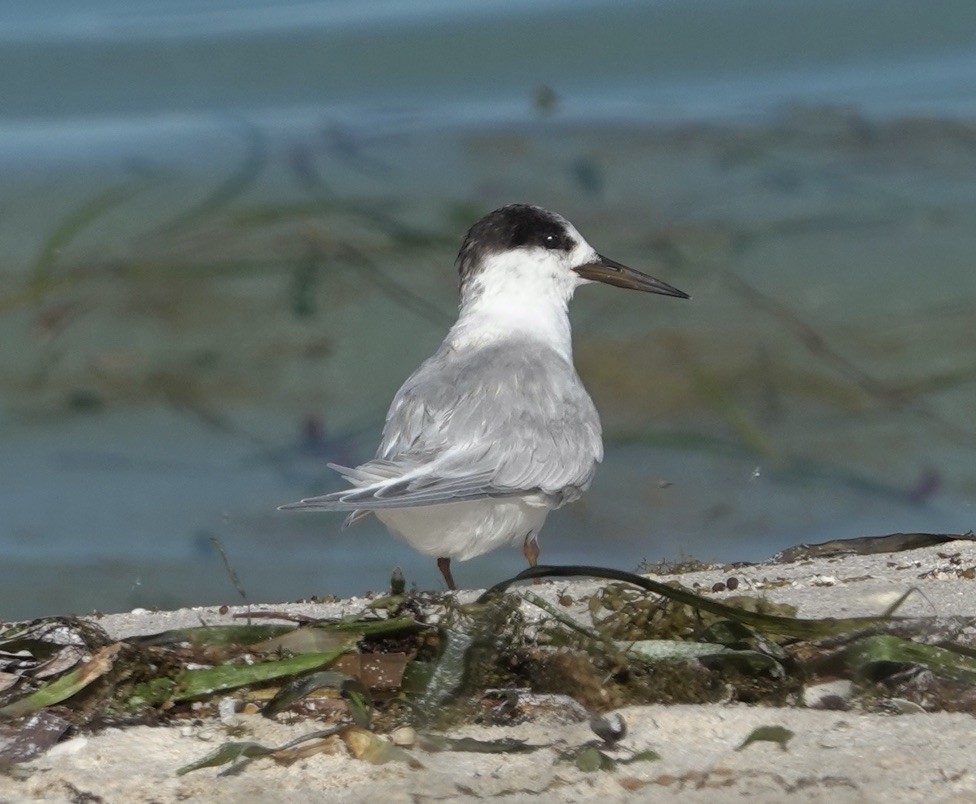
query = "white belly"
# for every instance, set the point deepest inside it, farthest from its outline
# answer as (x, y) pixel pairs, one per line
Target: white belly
(466, 529)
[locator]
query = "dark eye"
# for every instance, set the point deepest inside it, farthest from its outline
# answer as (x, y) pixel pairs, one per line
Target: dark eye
(552, 241)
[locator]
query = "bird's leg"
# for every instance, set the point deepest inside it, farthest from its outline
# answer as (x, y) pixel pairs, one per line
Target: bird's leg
(444, 565)
(531, 552)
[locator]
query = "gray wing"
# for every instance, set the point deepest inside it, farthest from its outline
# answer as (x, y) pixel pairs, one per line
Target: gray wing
(511, 420)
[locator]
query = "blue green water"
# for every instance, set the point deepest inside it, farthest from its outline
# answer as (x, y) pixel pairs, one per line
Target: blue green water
(227, 232)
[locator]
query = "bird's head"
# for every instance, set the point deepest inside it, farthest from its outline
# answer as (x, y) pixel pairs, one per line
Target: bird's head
(522, 249)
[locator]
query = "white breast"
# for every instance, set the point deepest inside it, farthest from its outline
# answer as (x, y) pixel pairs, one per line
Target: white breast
(468, 529)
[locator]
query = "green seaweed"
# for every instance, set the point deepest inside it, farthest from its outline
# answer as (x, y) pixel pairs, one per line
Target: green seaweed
(879, 655)
(768, 623)
(770, 734)
(232, 187)
(64, 687)
(76, 221)
(190, 684)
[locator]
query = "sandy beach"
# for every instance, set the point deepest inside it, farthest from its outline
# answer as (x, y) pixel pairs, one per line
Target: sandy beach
(834, 746)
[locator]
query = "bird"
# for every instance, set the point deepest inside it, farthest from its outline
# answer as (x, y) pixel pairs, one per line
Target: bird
(495, 429)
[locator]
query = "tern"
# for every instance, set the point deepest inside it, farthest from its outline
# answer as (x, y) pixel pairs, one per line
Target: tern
(495, 430)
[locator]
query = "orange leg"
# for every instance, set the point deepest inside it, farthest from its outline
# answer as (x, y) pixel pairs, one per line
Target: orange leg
(444, 565)
(531, 551)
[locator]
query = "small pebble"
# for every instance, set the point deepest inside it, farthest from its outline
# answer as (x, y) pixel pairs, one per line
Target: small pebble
(905, 707)
(832, 695)
(227, 709)
(404, 736)
(72, 746)
(610, 728)
(718, 587)
(732, 584)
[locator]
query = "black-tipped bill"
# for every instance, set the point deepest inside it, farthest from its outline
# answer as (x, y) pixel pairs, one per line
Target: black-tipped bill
(611, 272)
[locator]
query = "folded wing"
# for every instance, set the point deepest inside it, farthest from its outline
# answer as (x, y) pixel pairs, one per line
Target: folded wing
(512, 420)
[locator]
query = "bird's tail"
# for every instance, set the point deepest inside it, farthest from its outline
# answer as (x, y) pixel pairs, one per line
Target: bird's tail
(360, 477)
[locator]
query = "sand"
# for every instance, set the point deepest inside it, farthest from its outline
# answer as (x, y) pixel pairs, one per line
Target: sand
(908, 755)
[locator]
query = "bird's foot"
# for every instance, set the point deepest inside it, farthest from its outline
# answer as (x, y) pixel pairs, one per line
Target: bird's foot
(444, 565)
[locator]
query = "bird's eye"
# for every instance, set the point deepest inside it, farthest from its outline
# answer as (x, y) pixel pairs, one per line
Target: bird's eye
(551, 241)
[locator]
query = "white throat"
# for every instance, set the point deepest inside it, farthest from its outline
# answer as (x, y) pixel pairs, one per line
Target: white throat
(524, 292)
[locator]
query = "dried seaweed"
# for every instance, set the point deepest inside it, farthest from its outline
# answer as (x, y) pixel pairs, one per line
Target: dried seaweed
(386, 666)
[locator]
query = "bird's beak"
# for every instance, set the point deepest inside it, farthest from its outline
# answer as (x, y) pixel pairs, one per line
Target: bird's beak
(603, 269)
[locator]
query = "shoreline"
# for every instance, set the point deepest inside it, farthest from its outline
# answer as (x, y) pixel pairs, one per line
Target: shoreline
(844, 754)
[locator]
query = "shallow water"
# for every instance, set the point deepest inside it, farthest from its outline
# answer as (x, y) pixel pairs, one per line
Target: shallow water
(215, 272)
